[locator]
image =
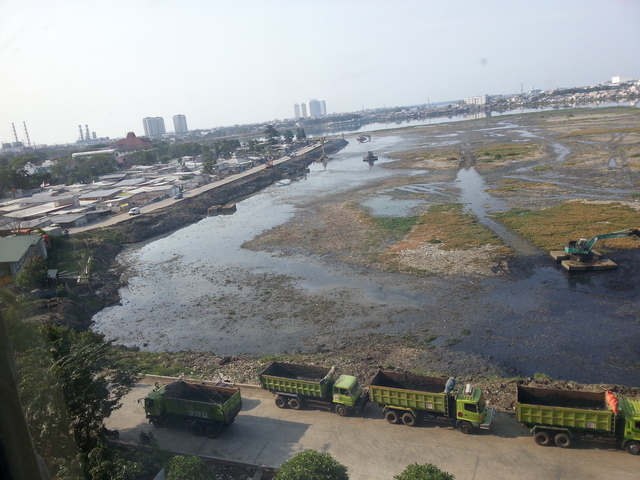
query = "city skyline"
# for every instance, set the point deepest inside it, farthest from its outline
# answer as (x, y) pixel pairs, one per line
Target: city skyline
(65, 65)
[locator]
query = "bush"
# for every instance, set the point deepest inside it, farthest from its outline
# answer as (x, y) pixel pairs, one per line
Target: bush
(423, 472)
(33, 274)
(189, 468)
(312, 465)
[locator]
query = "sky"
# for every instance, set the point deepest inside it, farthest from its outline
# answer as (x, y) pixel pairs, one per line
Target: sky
(110, 63)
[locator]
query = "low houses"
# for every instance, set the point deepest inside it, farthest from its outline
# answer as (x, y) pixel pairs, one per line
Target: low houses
(15, 252)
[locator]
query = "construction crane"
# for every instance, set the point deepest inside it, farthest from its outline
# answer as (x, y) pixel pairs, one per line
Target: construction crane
(582, 250)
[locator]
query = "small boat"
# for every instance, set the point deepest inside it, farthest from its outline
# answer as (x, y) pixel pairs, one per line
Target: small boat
(364, 138)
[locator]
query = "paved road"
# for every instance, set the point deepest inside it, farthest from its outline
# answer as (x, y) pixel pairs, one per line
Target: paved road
(189, 193)
(373, 449)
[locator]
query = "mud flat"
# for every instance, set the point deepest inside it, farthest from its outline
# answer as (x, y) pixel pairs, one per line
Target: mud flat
(334, 272)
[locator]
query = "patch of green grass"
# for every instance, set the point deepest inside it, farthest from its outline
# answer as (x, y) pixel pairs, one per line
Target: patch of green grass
(541, 376)
(398, 226)
(452, 341)
(542, 168)
(429, 338)
(465, 331)
(552, 228)
(509, 150)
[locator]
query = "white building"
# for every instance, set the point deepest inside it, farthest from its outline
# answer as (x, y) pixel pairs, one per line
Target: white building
(180, 124)
(153, 126)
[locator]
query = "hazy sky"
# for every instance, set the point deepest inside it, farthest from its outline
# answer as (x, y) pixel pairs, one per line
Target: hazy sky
(111, 63)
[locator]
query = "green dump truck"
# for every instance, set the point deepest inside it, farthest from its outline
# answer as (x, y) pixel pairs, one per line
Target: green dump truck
(559, 416)
(298, 386)
(204, 408)
(406, 398)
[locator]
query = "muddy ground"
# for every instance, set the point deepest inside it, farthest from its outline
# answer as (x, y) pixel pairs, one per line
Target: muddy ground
(581, 155)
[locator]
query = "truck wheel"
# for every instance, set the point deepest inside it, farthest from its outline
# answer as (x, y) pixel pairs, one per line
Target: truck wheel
(197, 429)
(542, 438)
(342, 410)
(465, 427)
(281, 402)
(409, 419)
(563, 440)
(158, 423)
(212, 430)
(633, 447)
(295, 403)
(392, 417)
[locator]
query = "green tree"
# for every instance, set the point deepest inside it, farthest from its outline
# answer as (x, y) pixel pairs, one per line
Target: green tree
(300, 134)
(107, 463)
(312, 465)
(189, 468)
(272, 134)
(288, 136)
(33, 274)
(426, 471)
(91, 375)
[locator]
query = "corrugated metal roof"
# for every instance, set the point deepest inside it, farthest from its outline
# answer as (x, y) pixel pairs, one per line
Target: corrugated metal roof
(12, 249)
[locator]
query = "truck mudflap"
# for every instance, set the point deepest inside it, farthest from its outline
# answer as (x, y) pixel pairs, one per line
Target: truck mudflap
(489, 415)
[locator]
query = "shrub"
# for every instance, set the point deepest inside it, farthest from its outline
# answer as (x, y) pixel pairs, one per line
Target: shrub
(423, 472)
(312, 465)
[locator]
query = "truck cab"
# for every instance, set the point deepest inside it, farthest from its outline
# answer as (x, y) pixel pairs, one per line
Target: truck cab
(348, 392)
(471, 407)
(631, 435)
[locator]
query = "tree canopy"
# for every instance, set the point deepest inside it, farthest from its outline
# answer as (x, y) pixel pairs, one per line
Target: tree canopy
(426, 471)
(312, 465)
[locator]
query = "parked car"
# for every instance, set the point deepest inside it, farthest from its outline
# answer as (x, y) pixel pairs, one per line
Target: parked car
(134, 211)
(177, 196)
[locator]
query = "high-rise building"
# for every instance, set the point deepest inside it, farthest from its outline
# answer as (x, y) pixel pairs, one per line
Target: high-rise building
(153, 126)
(315, 108)
(303, 110)
(180, 124)
(296, 110)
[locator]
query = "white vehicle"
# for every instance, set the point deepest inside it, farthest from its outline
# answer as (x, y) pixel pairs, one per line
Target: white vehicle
(134, 211)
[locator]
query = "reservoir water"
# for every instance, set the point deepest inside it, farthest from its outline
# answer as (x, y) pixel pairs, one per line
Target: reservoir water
(198, 289)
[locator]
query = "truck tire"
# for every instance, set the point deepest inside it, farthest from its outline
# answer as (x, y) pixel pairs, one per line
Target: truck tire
(542, 438)
(342, 410)
(633, 447)
(563, 440)
(211, 430)
(465, 427)
(157, 422)
(197, 429)
(281, 402)
(409, 419)
(392, 417)
(295, 404)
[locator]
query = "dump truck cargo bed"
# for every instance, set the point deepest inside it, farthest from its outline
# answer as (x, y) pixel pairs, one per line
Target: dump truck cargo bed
(409, 391)
(187, 400)
(307, 380)
(565, 408)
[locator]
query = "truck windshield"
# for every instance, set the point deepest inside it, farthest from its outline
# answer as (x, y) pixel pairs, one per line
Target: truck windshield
(355, 388)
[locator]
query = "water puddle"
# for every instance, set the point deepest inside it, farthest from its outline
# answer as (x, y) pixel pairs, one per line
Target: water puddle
(560, 151)
(474, 196)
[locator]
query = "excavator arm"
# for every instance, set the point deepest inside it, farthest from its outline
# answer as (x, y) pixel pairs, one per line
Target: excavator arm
(584, 246)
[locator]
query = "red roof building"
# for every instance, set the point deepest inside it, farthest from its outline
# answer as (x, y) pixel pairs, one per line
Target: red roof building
(132, 144)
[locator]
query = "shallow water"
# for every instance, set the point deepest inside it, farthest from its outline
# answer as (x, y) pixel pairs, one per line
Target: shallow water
(197, 289)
